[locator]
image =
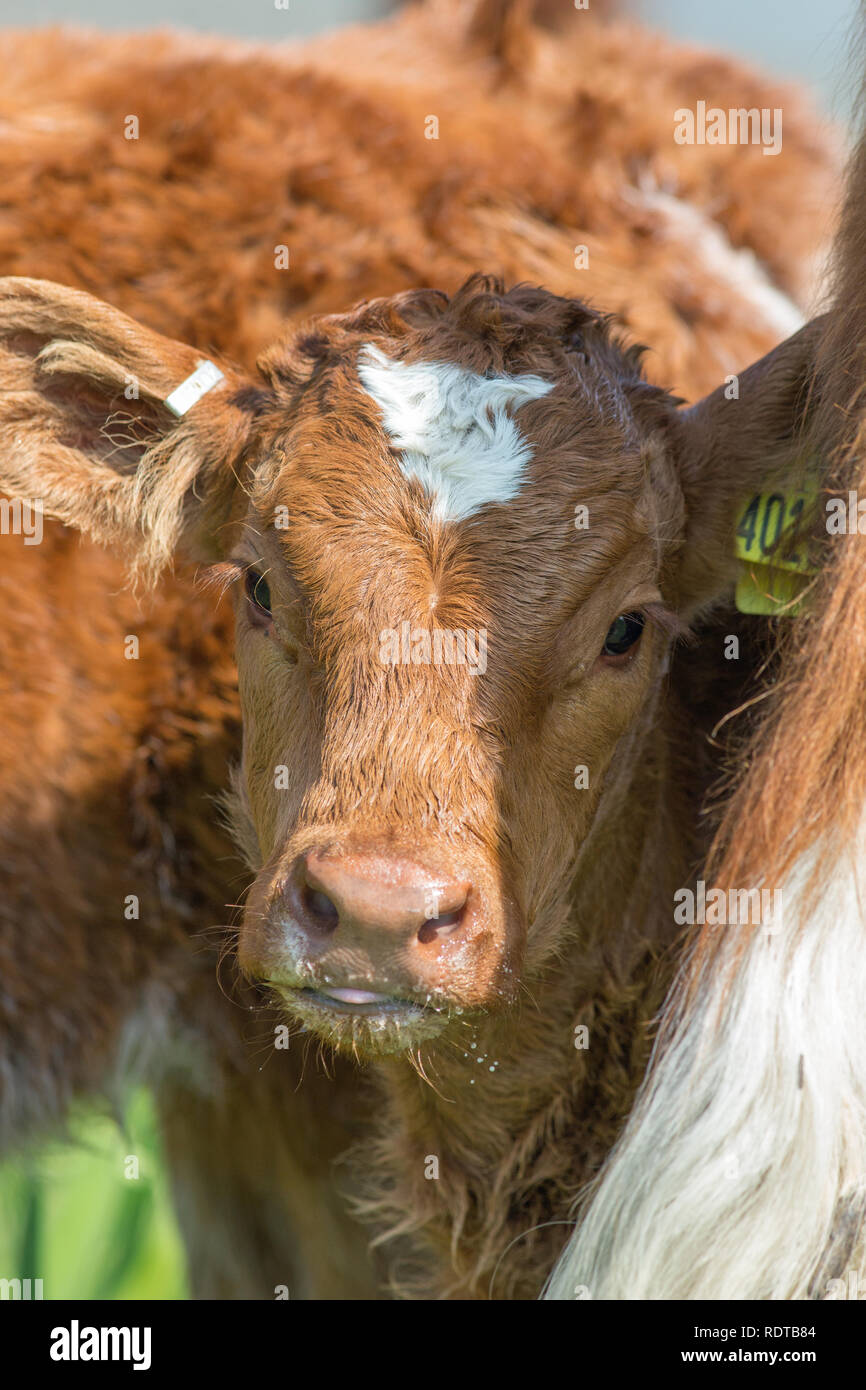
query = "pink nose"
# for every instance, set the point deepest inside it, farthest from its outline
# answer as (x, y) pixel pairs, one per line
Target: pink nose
(349, 898)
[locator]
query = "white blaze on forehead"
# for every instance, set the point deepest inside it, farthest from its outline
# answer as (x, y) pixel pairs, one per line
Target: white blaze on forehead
(453, 428)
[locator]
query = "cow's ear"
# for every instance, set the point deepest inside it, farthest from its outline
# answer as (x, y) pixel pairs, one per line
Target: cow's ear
(112, 428)
(750, 435)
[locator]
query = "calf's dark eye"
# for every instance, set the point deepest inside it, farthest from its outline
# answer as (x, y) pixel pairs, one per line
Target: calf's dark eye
(258, 593)
(623, 634)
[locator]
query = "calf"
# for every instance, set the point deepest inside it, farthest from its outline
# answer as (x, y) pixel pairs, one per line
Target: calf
(462, 532)
(464, 870)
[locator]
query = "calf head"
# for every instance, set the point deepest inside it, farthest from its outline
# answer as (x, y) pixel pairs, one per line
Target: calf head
(461, 536)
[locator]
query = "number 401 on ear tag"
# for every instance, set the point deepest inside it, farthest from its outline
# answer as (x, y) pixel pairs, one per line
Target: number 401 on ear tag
(774, 573)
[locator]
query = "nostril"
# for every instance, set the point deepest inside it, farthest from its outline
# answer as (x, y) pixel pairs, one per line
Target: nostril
(443, 925)
(320, 907)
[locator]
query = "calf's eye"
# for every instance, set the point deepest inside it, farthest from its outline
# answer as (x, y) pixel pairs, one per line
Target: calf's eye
(623, 634)
(259, 595)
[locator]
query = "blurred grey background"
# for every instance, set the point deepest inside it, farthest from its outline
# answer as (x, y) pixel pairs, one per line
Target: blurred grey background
(800, 39)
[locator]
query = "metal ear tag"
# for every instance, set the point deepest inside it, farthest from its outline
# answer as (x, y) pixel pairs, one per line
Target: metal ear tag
(202, 380)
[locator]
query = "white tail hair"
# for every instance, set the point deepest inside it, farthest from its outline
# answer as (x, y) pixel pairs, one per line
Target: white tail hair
(741, 1173)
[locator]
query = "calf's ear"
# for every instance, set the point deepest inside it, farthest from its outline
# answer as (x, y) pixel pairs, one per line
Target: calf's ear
(750, 435)
(112, 428)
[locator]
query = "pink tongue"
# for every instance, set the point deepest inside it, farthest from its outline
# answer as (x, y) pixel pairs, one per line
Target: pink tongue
(356, 996)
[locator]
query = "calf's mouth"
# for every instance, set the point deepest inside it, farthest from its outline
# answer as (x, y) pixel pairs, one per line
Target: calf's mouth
(363, 1002)
(362, 1021)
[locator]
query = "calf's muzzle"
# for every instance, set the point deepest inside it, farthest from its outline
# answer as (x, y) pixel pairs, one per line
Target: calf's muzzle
(355, 928)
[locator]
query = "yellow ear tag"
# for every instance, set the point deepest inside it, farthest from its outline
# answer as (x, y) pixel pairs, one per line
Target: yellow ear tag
(774, 572)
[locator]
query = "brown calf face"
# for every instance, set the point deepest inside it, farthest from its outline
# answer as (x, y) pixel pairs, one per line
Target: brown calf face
(458, 530)
(450, 514)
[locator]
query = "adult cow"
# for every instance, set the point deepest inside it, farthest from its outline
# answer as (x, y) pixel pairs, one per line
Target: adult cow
(742, 1171)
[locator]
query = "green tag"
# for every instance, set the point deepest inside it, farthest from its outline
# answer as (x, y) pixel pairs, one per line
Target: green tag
(774, 573)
